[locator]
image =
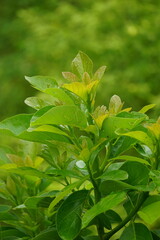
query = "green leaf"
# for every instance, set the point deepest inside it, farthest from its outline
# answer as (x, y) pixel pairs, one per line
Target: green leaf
(15, 125)
(112, 124)
(99, 73)
(47, 235)
(112, 186)
(136, 231)
(41, 82)
(65, 191)
(4, 150)
(114, 175)
(130, 158)
(28, 171)
(70, 76)
(113, 216)
(105, 204)
(138, 173)
(146, 108)
(36, 102)
(69, 215)
(150, 209)
(33, 202)
(60, 94)
(115, 104)
(82, 63)
(10, 233)
(63, 115)
(50, 129)
(121, 145)
(4, 208)
(142, 137)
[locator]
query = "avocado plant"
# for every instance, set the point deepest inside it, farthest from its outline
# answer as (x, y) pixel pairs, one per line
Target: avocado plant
(84, 172)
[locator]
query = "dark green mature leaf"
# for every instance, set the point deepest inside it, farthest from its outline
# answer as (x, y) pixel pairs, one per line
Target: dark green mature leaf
(105, 204)
(64, 193)
(41, 82)
(69, 215)
(10, 233)
(109, 186)
(4, 208)
(136, 231)
(113, 216)
(82, 63)
(121, 145)
(114, 175)
(63, 115)
(47, 235)
(138, 173)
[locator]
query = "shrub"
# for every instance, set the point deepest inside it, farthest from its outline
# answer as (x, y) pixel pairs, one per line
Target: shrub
(80, 165)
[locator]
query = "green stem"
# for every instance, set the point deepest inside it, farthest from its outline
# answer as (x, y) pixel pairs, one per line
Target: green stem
(97, 195)
(142, 198)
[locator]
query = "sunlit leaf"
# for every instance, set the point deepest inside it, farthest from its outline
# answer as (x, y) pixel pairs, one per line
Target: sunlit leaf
(41, 82)
(63, 115)
(82, 63)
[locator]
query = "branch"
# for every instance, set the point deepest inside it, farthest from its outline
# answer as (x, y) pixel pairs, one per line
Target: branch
(142, 198)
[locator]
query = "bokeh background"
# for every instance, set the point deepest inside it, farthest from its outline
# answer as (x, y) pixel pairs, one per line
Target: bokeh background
(42, 37)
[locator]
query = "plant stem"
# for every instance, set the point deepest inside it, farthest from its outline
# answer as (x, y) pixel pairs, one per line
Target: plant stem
(142, 198)
(97, 195)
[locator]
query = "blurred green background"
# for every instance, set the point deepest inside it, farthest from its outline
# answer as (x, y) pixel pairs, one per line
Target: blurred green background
(42, 37)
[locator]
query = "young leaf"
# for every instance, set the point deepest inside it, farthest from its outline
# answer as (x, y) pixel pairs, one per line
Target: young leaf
(36, 102)
(63, 115)
(69, 215)
(82, 63)
(115, 104)
(136, 231)
(78, 88)
(70, 76)
(99, 73)
(41, 82)
(105, 204)
(146, 108)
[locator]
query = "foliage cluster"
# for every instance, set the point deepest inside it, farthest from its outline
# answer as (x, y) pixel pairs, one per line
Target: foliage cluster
(81, 165)
(39, 37)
